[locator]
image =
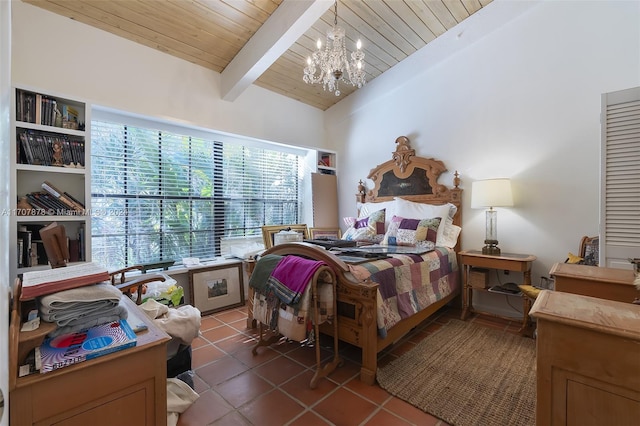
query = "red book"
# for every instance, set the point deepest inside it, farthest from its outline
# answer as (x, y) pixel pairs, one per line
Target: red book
(39, 283)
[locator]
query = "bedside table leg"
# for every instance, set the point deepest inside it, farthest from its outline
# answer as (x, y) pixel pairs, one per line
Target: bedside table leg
(466, 293)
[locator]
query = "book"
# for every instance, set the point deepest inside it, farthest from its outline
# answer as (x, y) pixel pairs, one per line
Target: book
(72, 348)
(48, 186)
(25, 254)
(39, 283)
(54, 239)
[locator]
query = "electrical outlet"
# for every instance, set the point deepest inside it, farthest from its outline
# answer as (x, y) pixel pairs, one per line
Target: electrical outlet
(506, 272)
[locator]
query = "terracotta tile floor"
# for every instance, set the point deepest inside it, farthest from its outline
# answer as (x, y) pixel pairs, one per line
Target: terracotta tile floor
(272, 388)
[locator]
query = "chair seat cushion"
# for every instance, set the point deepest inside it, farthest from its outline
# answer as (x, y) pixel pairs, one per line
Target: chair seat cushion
(530, 291)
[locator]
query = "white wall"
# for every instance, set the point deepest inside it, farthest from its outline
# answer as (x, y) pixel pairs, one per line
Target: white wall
(54, 53)
(520, 101)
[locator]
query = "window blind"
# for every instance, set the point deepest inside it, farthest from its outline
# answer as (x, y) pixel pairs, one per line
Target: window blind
(161, 195)
(621, 177)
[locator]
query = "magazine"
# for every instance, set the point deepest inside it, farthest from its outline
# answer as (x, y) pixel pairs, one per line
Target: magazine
(72, 348)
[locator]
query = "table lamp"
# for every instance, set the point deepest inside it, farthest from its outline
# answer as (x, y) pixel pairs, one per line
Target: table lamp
(491, 193)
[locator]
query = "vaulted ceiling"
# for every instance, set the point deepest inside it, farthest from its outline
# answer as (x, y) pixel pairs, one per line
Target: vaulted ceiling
(266, 42)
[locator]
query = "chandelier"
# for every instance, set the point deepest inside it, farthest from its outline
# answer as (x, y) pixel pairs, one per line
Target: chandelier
(330, 65)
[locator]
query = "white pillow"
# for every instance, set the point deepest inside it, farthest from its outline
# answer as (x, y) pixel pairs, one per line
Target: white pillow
(411, 210)
(367, 208)
(389, 206)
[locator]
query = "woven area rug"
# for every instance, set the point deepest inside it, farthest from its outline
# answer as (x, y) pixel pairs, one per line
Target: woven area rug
(466, 375)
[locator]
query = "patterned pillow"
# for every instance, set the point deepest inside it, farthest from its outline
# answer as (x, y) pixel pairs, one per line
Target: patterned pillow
(367, 229)
(412, 232)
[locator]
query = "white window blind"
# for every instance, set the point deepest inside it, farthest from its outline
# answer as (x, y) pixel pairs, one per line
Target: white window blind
(166, 195)
(620, 225)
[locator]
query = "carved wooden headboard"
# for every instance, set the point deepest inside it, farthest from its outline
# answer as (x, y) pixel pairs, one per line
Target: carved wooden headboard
(412, 178)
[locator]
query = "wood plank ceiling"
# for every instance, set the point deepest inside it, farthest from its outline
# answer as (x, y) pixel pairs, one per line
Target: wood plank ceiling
(211, 33)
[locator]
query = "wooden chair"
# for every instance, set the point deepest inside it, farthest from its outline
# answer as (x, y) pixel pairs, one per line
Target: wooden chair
(178, 355)
(589, 250)
(137, 284)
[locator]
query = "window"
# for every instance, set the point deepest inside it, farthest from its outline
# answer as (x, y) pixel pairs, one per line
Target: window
(159, 194)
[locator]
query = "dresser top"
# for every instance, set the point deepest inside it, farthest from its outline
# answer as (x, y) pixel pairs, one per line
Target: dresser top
(593, 273)
(606, 316)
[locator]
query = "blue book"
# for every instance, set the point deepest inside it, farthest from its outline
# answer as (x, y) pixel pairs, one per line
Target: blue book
(72, 348)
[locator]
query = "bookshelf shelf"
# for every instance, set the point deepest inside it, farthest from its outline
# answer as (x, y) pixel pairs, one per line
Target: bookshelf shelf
(47, 219)
(51, 143)
(44, 128)
(51, 169)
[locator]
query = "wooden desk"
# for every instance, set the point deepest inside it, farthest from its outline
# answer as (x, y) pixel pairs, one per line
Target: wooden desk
(595, 281)
(505, 262)
(588, 360)
(126, 387)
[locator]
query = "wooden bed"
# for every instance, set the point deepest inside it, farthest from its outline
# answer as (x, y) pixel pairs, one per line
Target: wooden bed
(413, 178)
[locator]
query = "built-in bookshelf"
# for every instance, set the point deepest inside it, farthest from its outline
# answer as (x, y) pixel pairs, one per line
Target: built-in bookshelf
(50, 176)
(327, 162)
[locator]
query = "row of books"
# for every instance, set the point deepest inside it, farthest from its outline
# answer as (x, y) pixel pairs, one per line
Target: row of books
(31, 250)
(46, 110)
(49, 149)
(53, 202)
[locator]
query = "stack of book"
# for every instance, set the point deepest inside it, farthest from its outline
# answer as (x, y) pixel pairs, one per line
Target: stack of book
(54, 202)
(59, 288)
(40, 283)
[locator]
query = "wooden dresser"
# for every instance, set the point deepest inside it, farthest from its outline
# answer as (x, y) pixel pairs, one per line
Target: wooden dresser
(128, 387)
(595, 281)
(588, 360)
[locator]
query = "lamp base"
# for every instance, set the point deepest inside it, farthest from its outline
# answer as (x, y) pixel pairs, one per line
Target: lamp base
(491, 247)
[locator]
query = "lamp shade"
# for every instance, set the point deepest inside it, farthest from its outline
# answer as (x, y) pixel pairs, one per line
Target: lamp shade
(491, 193)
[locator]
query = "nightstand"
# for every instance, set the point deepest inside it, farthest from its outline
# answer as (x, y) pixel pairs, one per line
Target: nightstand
(506, 262)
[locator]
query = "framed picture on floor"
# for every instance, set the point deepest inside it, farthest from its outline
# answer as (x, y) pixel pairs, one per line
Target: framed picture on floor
(216, 288)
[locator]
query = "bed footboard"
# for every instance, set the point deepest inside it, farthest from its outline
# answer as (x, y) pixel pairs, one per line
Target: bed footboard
(356, 305)
(357, 309)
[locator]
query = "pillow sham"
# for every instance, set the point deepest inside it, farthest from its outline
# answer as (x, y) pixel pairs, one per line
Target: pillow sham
(412, 232)
(367, 229)
(410, 209)
(450, 236)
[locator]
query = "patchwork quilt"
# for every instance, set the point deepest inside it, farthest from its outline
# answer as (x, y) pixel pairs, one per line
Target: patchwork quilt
(409, 283)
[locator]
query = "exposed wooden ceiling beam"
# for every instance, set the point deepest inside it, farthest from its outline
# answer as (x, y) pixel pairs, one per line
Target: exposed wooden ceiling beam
(283, 28)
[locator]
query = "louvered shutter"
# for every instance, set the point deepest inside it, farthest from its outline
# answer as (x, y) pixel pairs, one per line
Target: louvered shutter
(620, 209)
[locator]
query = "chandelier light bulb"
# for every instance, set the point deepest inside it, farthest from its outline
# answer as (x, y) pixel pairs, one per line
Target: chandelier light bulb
(359, 45)
(308, 60)
(319, 44)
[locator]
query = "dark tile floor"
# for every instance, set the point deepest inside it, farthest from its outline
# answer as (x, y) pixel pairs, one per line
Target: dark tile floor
(272, 387)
